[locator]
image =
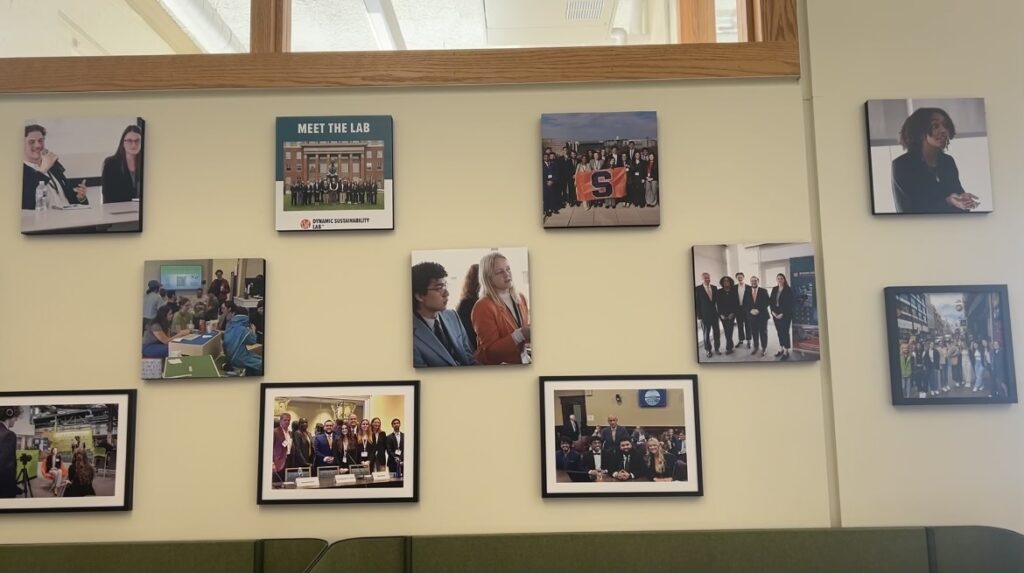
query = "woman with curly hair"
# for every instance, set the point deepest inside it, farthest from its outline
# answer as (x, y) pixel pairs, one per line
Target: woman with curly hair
(925, 179)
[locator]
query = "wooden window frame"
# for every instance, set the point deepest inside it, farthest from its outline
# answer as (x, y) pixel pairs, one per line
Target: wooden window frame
(775, 52)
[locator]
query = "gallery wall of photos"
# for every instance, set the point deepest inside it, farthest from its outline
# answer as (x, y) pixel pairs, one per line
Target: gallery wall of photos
(606, 272)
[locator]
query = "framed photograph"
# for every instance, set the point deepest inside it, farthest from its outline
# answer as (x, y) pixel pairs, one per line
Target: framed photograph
(488, 324)
(950, 345)
(335, 173)
(600, 169)
(66, 450)
(605, 436)
(928, 156)
(339, 442)
(756, 302)
(82, 175)
(203, 318)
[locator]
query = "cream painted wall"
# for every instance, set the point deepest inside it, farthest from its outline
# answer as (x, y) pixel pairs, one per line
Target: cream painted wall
(604, 302)
(916, 465)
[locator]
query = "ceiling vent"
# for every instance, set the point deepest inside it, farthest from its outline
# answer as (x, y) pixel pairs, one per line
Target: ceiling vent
(583, 10)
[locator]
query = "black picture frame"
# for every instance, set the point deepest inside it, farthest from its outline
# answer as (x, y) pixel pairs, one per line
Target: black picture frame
(407, 490)
(903, 308)
(555, 485)
(124, 465)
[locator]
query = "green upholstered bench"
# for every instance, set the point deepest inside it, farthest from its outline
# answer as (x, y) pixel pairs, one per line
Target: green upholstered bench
(867, 550)
(248, 556)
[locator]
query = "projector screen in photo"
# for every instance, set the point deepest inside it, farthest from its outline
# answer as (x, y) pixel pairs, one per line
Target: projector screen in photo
(180, 277)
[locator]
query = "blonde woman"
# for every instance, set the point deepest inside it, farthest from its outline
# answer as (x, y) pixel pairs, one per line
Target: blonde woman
(501, 318)
(658, 465)
(364, 443)
(379, 440)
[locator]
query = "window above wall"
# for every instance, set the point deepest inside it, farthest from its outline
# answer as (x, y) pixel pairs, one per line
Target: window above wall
(387, 42)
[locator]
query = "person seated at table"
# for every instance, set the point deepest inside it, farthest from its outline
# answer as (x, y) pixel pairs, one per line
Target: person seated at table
(80, 476)
(198, 314)
(658, 465)
(256, 317)
(237, 334)
(567, 458)
(43, 166)
(158, 334)
(627, 464)
(55, 468)
(122, 171)
(595, 462)
(343, 446)
(324, 447)
(182, 321)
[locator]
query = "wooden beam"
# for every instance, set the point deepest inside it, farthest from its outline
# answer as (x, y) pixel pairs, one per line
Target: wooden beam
(745, 25)
(697, 22)
(778, 21)
(283, 26)
(263, 25)
(411, 68)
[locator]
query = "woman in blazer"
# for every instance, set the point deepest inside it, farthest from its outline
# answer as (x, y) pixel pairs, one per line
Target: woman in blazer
(727, 301)
(501, 317)
(380, 444)
(364, 450)
(122, 171)
(781, 305)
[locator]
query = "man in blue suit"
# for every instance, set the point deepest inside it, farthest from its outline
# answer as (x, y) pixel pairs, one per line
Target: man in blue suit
(438, 337)
(323, 446)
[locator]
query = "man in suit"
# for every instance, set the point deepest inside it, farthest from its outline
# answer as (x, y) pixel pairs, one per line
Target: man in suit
(704, 296)
(596, 462)
(323, 446)
(282, 445)
(614, 433)
(8, 453)
(395, 446)
(572, 429)
(43, 166)
(549, 189)
(438, 337)
(353, 424)
(302, 445)
(755, 307)
(626, 463)
(53, 466)
(742, 320)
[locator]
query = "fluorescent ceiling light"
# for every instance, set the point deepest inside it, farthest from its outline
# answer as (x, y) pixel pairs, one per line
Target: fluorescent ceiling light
(204, 25)
(384, 24)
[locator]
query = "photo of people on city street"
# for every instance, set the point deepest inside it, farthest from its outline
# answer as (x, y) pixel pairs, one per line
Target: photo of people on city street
(600, 169)
(756, 302)
(950, 345)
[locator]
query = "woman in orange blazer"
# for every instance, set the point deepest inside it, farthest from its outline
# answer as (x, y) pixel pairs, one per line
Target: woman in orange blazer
(501, 317)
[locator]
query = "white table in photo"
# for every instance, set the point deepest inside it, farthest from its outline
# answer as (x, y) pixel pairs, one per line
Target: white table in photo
(47, 220)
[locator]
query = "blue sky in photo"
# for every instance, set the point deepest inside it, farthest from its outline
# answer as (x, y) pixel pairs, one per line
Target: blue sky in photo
(585, 127)
(945, 304)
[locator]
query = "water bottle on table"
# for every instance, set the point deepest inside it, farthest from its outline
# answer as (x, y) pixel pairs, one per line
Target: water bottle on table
(41, 196)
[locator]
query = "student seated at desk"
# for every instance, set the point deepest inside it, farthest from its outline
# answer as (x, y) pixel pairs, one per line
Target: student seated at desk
(658, 465)
(627, 464)
(237, 334)
(595, 461)
(158, 334)
(182, 322)
(567, 458)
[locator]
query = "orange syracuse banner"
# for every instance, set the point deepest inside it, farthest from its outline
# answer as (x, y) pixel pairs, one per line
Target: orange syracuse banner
(601, 184)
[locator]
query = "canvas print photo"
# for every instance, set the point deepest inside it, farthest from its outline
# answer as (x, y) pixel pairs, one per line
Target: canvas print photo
(620, 435)
(471, 307)
(600, 169)
(756, 302)
(338, 442)
(929, 156)
(950, 344)
(203, 318)
(66, 451)
(334, 173)
(82, 175)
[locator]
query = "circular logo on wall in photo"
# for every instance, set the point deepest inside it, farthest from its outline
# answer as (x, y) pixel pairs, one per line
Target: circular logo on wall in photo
(652, 397)
(304, 224)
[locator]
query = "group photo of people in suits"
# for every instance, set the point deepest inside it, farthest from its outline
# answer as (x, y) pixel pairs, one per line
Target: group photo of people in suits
(75, 166)
(755, 303)
(321, 437)
(488, 324)
(608, 435)
(600, 169)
